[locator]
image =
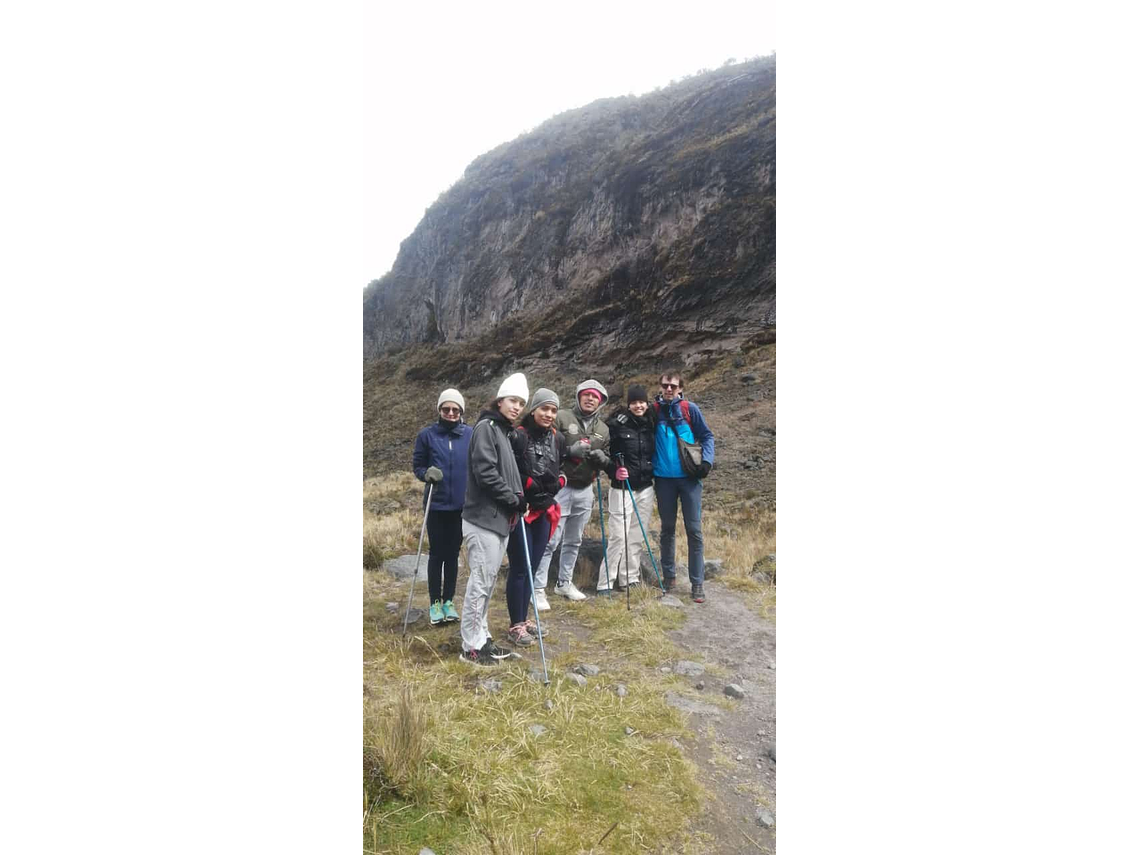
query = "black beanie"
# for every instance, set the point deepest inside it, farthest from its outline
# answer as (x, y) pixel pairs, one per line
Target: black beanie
(636, 393)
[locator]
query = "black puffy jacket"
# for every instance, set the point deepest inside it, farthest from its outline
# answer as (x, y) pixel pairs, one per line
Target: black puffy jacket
(539, 453)
(634, 437)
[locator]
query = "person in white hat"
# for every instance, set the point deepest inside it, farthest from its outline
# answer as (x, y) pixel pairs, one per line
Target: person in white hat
(440, 459)
(491, 509)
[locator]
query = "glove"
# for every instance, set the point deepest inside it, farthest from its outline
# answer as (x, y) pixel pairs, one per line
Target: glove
(550, 482)
(703, 469)
(520, 507)
(622, 474)
(434, 475)
(597, 457)
(561, 480)
(578, 450)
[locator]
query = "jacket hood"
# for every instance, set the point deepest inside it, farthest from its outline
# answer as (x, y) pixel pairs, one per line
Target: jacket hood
(596, 386)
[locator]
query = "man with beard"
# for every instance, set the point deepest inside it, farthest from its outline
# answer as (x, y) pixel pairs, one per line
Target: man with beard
(677, 417)
(588, 438)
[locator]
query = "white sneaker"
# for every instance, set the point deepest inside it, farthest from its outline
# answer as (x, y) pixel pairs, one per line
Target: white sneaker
(540, 595)
(569, 591)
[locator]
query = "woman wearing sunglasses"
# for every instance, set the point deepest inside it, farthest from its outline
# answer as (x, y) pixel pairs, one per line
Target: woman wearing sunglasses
(440, 459)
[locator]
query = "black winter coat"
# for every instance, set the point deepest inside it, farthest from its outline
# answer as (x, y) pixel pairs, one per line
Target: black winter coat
(635, 438)
(539, 453)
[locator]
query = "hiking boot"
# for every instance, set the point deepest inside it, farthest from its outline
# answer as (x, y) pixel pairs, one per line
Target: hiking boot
(519, 636)
(670, 583)
(495, 652)
(477, 657)
(569, 591)
(450, 615)
(435, 613)
(540, 597)
(698, 594)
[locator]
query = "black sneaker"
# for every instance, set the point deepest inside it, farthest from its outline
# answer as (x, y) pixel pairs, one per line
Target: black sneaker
(698, 593)
(477, 657)
(497, 653)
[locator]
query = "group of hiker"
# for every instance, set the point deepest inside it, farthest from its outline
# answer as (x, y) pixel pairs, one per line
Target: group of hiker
(522, 481)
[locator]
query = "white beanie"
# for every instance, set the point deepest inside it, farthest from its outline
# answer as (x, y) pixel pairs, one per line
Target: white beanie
(453, 396)
(515, 385)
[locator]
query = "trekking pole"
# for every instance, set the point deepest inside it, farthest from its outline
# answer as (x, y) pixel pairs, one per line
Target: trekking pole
(625, 526)
(419, 549)
(602, 523)
(534, 601)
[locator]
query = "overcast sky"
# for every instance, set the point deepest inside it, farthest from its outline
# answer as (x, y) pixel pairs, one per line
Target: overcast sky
(446, 82)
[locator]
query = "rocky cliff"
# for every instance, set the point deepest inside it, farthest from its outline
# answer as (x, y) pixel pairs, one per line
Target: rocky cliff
(637, 225)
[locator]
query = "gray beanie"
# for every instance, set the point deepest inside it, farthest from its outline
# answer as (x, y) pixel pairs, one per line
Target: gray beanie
(453, 396)
(541, 396)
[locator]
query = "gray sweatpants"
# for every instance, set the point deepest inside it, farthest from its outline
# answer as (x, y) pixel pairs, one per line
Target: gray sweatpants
(485, 550)
(576, 504)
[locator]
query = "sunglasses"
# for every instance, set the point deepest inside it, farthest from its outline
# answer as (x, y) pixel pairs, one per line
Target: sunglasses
(670, 385)
(450, 411)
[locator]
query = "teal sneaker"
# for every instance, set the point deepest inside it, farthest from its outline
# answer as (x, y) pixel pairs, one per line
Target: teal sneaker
(449, 613)
(436, 613)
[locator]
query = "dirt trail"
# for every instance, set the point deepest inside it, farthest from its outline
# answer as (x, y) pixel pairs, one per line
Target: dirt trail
(727, 631)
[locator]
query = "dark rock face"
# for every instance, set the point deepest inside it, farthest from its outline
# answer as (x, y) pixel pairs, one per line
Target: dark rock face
(632, 226)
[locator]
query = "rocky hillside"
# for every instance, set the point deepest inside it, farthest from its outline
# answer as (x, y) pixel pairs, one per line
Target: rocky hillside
(634, 227)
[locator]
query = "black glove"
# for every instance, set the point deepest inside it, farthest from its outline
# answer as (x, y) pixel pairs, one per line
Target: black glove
(703, 469)
(578, 450)
(520, 506)
(549, 482)
(597, 457)
(434, 475)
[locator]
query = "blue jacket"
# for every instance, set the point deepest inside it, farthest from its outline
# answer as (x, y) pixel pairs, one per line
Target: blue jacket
(445, 448)
(666, 458)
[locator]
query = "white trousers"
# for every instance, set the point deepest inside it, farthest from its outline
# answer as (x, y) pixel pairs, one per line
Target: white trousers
(576, 504)
(485, 551)
(623, 529)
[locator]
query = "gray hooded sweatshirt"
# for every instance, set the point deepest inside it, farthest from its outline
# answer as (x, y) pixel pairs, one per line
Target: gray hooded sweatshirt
(492, 475)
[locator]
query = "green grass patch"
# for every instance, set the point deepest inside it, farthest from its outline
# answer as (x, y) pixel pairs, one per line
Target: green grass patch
(450, 765)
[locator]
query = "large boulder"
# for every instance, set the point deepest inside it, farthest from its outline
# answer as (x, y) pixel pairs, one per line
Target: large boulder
(585, 569)
(405, 565)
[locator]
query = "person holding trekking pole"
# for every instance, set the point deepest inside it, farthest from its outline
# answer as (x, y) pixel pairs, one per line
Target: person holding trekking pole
(491, 509)
(680, 424)
(440, 460)
(633, 437)
(588, 436)
(539, 451)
